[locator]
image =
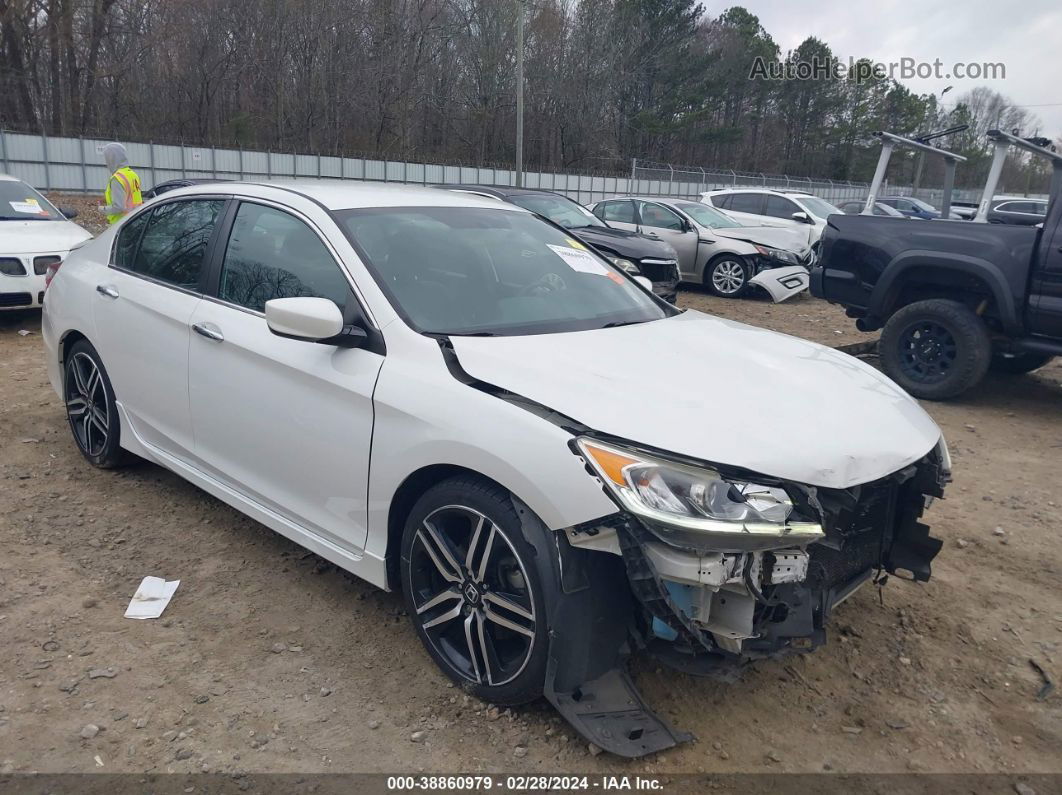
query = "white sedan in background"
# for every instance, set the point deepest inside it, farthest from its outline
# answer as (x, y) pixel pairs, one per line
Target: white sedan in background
(34, 236)
(449, 396)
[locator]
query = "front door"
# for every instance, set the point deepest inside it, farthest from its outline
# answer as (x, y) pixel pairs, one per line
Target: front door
(285, 422)
(665, 224)
(142, 310)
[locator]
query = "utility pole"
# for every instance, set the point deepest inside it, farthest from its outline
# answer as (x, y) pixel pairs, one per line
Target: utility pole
(519, 93)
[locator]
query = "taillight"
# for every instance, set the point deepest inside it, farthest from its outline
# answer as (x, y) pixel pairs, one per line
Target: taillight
(49, 274)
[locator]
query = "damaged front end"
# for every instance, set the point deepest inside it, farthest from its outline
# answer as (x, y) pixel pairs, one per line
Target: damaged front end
(710, 603)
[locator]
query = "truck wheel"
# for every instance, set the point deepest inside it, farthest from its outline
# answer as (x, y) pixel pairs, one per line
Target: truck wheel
(935, 349)
(1019, 363)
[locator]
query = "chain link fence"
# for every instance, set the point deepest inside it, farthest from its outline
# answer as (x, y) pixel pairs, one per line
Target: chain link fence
(691, 181)
(76, 165)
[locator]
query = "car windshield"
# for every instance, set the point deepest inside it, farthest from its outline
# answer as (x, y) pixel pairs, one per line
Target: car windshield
(707, 216)
(558, 209)
(479, 271)
(20, 202)
(818, 207)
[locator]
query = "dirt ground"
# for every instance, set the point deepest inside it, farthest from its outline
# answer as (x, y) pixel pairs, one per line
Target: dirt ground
(270, 659)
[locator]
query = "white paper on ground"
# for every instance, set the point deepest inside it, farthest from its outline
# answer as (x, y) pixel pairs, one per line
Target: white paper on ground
(151, 598)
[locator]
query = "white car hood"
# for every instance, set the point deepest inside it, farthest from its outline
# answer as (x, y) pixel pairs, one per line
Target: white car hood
(38, 237)
(719, 391)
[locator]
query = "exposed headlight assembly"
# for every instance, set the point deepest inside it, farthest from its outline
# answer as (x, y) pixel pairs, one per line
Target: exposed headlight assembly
(778, 253)
(626, 265)
(697, 507)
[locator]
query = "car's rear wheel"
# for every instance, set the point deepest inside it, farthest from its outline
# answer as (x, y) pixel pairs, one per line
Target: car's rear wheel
(90, 407)
(1018, 363)
(935, 349)
(727, 276)
(476, 591)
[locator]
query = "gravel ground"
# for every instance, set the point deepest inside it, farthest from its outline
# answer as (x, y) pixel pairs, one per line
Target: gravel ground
(269, 659)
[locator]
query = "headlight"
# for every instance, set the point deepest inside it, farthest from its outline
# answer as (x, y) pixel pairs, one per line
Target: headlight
(778, 254)
(697, 507)
(626, 265)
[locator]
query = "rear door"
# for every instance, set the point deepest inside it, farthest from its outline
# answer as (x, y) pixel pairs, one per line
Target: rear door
(142, 307)
(1045, 299)
(284, 422)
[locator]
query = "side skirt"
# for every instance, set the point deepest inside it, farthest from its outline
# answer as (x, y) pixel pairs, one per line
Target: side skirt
(366, 566)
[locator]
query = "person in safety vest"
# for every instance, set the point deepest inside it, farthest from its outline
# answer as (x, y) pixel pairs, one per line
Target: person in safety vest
(123, 187)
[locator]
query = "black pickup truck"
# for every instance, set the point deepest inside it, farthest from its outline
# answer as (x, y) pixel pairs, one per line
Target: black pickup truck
(953, 298)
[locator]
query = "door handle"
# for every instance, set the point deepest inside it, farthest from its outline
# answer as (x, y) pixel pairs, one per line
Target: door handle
(107, 290)
(208, 330)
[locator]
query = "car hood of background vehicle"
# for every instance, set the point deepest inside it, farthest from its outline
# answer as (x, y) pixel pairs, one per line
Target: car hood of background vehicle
(36, 237)
(773, 236)
(629, 245)
(718, 391)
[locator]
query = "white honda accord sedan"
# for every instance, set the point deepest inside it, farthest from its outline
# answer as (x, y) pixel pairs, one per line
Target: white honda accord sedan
(453, 397)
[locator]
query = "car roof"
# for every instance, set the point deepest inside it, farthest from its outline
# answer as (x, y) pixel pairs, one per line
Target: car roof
(350, 194)
(498, 191)
(799, 194)
(9, 178)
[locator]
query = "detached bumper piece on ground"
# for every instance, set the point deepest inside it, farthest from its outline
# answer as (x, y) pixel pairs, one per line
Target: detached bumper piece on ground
(712, 613)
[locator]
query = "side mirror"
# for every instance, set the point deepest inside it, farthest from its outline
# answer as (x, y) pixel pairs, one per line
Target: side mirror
(644, 282)
(803, 216)
(310, 319)
(69, 213)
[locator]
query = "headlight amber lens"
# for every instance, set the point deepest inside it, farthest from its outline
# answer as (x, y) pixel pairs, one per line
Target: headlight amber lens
(698, 507)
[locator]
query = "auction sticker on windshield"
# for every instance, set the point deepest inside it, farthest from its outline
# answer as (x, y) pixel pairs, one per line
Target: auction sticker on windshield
(581, 261)
(29, 206)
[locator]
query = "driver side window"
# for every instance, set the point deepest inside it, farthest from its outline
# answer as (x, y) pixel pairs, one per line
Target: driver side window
(659, 217)
(272, 254)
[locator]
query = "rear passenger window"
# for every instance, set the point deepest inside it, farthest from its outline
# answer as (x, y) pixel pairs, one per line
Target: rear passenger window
(747, 203)
(128, 240)
(621, 212)
(777, 207)
(272, 254)
(175, 240)
(722, 202)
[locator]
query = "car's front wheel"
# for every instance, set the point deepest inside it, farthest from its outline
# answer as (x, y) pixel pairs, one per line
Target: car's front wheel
(90, 407)
(727, 276)
(935, 349)
(476, 590)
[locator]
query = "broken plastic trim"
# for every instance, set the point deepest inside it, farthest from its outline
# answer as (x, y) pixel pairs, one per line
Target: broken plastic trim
(586, 673)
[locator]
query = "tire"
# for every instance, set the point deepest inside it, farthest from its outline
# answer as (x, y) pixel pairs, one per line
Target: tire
(1018, 363)
(90, 408)
(935, 349)
(727, 276)
(506, 594)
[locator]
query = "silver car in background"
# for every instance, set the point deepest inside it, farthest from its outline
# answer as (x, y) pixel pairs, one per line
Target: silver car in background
(714, 249)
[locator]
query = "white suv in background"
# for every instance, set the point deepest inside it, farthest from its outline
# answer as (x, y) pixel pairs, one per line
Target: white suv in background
(766, 207)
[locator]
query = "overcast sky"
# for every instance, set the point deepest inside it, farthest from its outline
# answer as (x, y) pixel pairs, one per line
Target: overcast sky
(1025, 36)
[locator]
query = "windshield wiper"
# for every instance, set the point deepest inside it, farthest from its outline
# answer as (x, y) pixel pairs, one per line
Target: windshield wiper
(24, 218)
(618, 323)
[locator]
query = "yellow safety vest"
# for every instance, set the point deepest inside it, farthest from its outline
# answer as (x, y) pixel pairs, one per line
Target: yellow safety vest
(131, 183)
